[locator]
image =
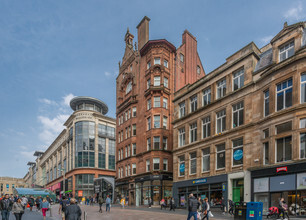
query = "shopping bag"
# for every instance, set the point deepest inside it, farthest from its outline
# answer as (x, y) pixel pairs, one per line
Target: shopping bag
(28, 206)
(199, 215)
(210, 214)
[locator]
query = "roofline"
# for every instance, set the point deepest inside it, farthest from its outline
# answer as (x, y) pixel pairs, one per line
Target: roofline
(152, 42)
(81, 99)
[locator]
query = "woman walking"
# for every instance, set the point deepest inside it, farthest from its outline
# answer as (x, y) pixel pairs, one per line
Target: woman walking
(18, 209)
(44, 207)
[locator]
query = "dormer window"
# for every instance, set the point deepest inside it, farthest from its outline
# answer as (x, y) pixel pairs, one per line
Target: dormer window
(286, 51)
(128, 87)
(198, 70)
(157, 61)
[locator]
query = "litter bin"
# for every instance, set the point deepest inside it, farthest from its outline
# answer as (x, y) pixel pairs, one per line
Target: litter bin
(240, 210)
(254, 210)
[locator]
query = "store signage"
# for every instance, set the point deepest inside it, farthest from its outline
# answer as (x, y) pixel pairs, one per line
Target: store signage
(279, 169)
(199, 181)
(97, 188)
(7, 185)
(182, 200)
(80, 193)
(182, 167)
(223, 187)
(238, 154)
(156, 177)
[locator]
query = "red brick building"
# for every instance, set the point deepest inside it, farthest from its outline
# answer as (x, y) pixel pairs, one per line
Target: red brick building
(149, 74)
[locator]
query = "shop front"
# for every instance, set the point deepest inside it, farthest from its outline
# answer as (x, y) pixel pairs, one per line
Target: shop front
(56, 188)
(213, 188)
(104, 186)
(153, 188)
(288, 182)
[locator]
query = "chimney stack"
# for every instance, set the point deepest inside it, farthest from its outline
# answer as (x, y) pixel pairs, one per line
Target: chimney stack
(143, 32)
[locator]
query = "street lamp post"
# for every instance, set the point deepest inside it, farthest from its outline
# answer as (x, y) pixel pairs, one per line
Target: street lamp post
(63, 170)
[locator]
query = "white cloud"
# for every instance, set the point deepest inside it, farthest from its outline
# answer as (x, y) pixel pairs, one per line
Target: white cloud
(29, 155)
(266, 39)
(67, 99)
(51, 127)
(47, 101)
(23, 147)
(107, 74)
(295, 13)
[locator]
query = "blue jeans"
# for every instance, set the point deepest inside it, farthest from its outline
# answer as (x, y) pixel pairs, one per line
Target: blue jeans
(194, 214)
(5, 214)
(108, 207)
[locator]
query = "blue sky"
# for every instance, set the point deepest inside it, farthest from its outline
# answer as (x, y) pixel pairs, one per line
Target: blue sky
(51, 51)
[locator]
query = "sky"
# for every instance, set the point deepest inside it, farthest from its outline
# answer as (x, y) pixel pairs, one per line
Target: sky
(53, 50)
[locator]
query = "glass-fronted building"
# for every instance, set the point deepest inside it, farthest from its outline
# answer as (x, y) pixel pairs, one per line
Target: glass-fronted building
(85, 150)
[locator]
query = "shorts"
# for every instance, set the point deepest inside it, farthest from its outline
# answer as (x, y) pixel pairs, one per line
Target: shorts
(44, 210)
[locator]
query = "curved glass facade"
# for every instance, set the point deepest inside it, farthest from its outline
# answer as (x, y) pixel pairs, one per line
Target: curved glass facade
(85, 144)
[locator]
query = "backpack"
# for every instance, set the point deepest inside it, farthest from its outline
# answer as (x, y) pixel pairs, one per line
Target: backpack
(64, 205)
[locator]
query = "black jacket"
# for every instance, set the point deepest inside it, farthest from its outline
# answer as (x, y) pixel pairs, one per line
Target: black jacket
(73, 212)
(6, 204)
(193, 204)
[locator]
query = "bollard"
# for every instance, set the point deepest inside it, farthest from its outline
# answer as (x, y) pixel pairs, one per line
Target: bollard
(50, 211)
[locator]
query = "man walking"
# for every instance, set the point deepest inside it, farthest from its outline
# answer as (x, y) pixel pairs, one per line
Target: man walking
(101, 201)
(73, 211)
(63, 206)
(6, 206)
(192, 207)
(108, 203)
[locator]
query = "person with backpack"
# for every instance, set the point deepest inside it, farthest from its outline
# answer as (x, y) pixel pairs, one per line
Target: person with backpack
(18, 209)
(192, 207)
(100, 201)
(62, 208)
(231, 207)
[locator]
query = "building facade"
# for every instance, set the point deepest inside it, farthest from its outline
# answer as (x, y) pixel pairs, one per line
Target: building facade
(239, 132)
(149, 74)
(85, 150)
(7, 184)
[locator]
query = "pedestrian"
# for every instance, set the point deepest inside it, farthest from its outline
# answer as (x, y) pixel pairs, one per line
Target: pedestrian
(162, 203)
(37, 201)
(205, 209)
(108, 203)
(223, 206)
(101, 201)
(24, 202)
(62, 208)
(150, 202)
(5, 207)
(31, 202)
(192, 207)
(73, 211)
(127, 201)
(172, 204)
(231, 207)
(44, 206)
(18, 209)
(122, 202)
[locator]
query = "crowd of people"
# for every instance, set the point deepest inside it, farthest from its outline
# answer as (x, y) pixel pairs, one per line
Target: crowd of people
(68, 208)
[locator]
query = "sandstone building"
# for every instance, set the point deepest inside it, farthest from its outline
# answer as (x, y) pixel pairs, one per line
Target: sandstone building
(240, 131)
(7, 184)
(149, 74)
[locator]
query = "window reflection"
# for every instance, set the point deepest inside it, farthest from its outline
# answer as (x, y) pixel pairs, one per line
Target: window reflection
(85, 144)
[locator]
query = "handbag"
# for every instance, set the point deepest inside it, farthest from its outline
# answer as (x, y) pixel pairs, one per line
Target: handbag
(210, 214)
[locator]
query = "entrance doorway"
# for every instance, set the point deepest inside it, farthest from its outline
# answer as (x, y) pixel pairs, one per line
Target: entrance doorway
(238, 190)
